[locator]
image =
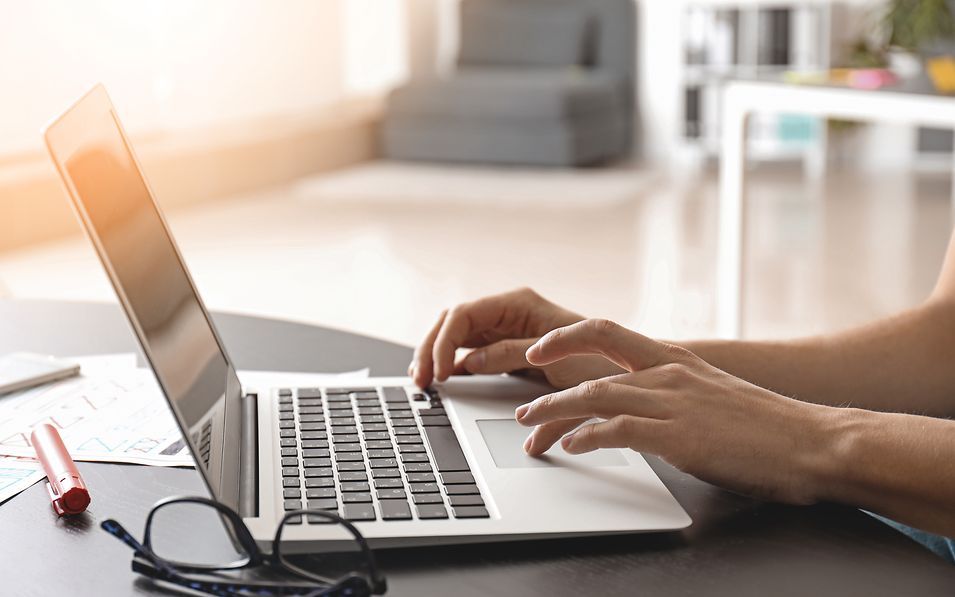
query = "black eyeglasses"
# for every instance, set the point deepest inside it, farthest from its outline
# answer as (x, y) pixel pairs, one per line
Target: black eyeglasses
(197, 543)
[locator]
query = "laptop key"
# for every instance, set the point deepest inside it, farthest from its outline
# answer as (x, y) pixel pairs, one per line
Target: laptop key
(291, 493)
(338, 399)
(383, 463)
(462, 490)
(350, 466)
(290, 461)
(374, 427)
(343, 428)
(406, 431)
(381, 453)
(292, 505)
(412, 449)
(359, 512)
(291, 482)
(406, 458)
(287, 442)
(395, 510)
(373, 435)
(286, 416)
(309, 393)
(388, 483)
(363, 394)
(448, 455)
(393, 395)
(379, 444)
(370, 410)
(372, 419)
(284, 392)
(347, 447)
(409, 422)
(318, 472)
(322, 493)
(314, 443)
(344, 476)
(317, 462)
(385, 473)
(355, 486)
(287, 432)
(322, 504)
(350, 457)
(427, 498)
(294, 520)
(289, 451)
(420, 477)
(356, 498)
(319, 482)
(470, 512)
(314, 435)
(428, 511)
(424, 488)
(310, 410)
(457, 478)
(312, 418)
(436, 421)
(407, 440)
(316, 453)
(391, 493)
(290, 471)
(317, 519)
(417, 467)
(286, 424)
(344, 438)
(312, 426)
(466, 500)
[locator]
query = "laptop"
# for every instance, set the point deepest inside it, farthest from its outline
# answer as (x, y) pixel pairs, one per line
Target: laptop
(409, 466)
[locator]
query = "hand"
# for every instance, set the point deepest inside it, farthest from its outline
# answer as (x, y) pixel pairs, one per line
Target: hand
(501, 328)
(700, 419)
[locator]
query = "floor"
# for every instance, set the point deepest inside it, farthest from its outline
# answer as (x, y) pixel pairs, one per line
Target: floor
(381, 248)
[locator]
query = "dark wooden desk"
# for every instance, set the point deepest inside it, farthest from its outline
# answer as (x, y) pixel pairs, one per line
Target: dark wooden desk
(736, 546)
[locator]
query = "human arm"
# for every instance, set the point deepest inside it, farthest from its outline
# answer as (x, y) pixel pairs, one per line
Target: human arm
(738, 435)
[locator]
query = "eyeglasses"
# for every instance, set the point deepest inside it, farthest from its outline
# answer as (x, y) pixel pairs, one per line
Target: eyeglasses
(199, 544)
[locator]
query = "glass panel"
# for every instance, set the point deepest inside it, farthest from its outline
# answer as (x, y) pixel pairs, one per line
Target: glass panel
(194, 534)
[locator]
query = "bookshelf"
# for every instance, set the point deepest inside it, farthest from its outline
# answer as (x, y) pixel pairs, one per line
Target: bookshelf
(726, 40)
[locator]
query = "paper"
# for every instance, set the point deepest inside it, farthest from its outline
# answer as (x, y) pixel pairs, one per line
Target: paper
(16, 475)
(114, 412)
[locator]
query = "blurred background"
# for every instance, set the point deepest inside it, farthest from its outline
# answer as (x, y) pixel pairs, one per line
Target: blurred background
(364, 163)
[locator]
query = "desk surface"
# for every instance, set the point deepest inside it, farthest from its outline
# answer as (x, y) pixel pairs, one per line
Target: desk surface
(736, 546)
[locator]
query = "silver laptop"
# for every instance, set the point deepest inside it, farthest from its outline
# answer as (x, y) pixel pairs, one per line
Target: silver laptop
(411, 467)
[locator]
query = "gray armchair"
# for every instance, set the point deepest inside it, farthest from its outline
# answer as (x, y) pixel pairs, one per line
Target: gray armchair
(539, 82)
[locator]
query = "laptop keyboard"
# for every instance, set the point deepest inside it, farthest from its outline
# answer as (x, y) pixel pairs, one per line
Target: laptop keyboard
(362, 453)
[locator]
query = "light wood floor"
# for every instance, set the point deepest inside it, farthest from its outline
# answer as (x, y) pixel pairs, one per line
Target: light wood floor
(379, 252)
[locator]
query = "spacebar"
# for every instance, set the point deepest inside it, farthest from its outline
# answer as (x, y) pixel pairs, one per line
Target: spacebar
(448, 456)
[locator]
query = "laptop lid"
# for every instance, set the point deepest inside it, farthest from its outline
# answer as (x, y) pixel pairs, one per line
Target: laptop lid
(116, 207)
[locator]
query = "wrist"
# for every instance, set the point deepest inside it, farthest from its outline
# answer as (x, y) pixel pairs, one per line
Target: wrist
(835, 443)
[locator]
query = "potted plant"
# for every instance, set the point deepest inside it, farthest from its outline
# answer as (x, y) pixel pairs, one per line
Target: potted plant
(917, 29)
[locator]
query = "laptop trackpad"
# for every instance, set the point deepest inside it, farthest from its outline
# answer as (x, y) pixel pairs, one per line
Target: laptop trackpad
(505, 440)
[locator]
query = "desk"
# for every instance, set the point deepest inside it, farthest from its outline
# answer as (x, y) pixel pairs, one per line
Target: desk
(736, 546)
(911, 102)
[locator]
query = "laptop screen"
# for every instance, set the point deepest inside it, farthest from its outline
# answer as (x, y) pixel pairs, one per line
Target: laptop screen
(144, 265)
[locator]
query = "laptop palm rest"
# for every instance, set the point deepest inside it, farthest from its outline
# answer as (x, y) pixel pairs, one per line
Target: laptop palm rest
(505, 441)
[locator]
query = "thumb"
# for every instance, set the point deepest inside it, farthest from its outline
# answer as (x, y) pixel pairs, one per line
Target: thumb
(501, 357)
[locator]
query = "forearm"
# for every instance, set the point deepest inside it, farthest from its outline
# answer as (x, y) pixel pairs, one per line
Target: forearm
(904, 363)
(899, 466)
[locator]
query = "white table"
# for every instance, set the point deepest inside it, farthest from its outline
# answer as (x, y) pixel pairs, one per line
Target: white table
(899, 105)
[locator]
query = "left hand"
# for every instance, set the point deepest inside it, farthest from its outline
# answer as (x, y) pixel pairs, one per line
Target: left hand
(700, 419)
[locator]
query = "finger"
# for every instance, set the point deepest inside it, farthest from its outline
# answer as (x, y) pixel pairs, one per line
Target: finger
(595, 398)
(543, 436)
(624, 347)
(623, 431)
(501, 357)
(462, 324)
(422, 367)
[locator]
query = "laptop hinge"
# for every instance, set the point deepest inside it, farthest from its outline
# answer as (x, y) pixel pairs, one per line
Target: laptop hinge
(248, 458)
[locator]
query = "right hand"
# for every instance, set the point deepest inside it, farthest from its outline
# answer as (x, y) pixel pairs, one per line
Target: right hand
(500, 329)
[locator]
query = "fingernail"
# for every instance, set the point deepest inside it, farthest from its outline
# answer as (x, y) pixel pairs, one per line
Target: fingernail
(566, 441)
(475, 360)
(521, 411)
(411, 369)
(528, 443)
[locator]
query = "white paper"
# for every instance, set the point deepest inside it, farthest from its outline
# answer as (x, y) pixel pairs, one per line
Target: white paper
(115, 412)
(16, 475)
